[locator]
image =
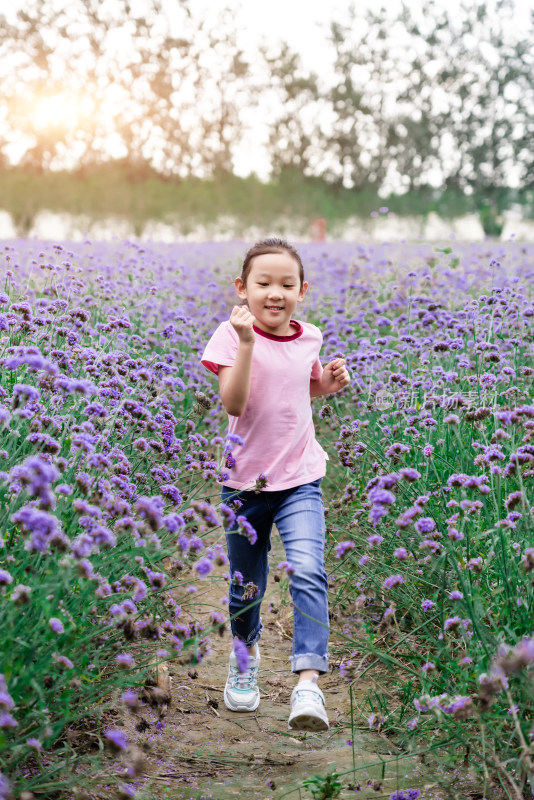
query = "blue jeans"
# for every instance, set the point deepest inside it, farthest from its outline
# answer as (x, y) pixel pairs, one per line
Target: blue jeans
(298, 514)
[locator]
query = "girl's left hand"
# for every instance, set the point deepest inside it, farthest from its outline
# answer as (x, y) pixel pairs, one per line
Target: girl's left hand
(335, 376)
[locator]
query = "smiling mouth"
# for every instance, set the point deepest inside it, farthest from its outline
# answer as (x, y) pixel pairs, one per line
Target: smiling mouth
(274, 308)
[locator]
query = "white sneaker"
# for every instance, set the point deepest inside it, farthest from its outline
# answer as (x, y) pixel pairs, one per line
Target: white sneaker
(241, 692)
(308, 711)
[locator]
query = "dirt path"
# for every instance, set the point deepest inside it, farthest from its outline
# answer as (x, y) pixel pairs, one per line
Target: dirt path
(205, 751)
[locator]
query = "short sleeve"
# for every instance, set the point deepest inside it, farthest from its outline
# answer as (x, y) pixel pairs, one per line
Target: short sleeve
(221, 350)
(317, 369)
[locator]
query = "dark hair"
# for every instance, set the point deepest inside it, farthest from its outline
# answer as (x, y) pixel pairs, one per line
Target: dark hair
(265, 246)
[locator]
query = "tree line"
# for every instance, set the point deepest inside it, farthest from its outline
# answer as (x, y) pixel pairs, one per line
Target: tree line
(442, 99)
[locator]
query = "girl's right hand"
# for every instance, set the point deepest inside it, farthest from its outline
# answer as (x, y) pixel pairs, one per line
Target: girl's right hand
(242, 321)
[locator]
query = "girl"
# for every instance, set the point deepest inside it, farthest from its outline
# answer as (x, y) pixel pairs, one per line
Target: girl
(268, 368)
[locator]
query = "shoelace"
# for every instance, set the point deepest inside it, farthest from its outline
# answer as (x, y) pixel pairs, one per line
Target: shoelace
(243, 680)
(315, 697)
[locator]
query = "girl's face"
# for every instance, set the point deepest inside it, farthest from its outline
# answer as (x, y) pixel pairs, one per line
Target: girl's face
(273, 290)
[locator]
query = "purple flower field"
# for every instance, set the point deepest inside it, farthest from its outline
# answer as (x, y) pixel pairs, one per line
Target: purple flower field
(113, 450)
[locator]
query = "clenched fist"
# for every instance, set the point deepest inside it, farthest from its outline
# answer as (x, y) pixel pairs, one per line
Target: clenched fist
(242, 321)
(335, 376)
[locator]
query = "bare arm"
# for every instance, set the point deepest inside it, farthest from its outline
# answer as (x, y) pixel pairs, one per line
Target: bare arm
(234, 381)
(334, 378)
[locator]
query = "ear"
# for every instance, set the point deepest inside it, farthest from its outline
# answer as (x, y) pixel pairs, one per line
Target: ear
(240, 288)
(303, 290)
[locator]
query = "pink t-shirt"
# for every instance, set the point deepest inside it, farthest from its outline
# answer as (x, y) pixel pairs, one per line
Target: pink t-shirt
(277, 424)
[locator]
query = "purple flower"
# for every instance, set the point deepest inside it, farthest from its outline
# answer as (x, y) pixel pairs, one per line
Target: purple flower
(246, 529)
(237, 579)
(228, 515)
(512, 661)
(5, 786)
(6, 700)
(401, 553)
(456, 595)
(157, 580)
(140, 591)
(56, 625)
(288, 568)
(234, 438)
(410, 474)
(242, 655)
(375, 538)
(514, 499)
(342, 548)
(35, 743)
(475, 564)
(23, 392)
(527, 560)
(207, 512)
(381, 496)
(459, 707)
(125, 660)
(21, 594)
(452, 623)
(126, 791)
(425, 525)
(426, 605)
(130, 698)
(102, 536)
(117, 739)
(40, 524)
(393, 580)
(150, 509)
(63, 661)
(204, 566)
(5, 577)
(394, 450)
(171, 493)
(376, 513)
(173, 522)
(7, 721)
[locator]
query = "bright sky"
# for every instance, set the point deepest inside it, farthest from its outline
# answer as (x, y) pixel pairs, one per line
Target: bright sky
(304, 23)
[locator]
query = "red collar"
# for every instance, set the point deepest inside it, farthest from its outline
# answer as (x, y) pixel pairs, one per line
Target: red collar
(299, 330)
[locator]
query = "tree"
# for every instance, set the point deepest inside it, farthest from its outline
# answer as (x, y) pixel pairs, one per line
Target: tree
(471, 91)
(296, 140)
(84, 81)
(441, 99)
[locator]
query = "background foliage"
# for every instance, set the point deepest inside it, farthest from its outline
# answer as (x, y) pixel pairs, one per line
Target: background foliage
(408, 103)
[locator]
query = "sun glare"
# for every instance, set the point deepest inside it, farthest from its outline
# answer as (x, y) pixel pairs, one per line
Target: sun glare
(64, 110)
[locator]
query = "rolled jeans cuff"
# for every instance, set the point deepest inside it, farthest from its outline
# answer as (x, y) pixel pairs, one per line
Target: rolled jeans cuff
(252, 638)
(309, 661)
